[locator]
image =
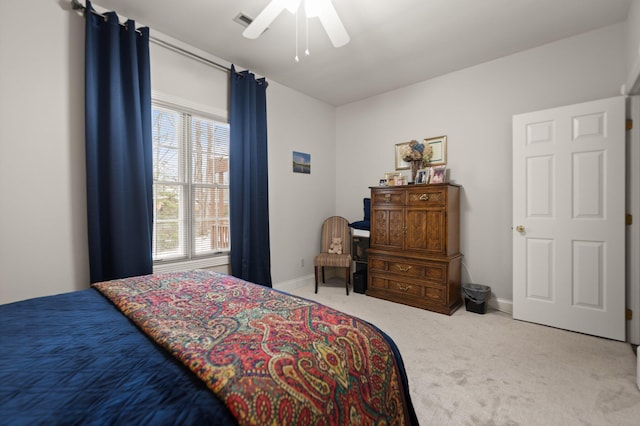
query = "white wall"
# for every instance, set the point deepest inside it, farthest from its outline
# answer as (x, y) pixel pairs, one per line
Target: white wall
(189, 82)
(633, 42)
(298, 203)
(473, 107)
(43, 236)
(43, 247)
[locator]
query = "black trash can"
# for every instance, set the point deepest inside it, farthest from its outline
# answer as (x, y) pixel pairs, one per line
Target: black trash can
(476, 297)
(360, 281)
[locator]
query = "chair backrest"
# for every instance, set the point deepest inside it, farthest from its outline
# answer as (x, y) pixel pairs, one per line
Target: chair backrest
(334, 227)
(367, 208)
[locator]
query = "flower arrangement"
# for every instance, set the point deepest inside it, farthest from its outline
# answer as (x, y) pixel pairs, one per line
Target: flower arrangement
(416, 151)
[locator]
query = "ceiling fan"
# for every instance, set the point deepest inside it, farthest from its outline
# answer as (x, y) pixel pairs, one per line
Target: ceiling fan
(322, 9)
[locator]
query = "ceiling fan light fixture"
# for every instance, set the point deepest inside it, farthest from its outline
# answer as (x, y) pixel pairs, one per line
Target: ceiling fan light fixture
(313, 8)
(322, 9)
(291, 5)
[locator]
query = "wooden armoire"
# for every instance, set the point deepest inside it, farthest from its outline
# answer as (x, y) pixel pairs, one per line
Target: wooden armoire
(414, 254)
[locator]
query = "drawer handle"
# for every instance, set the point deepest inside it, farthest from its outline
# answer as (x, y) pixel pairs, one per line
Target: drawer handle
(405, 268)
(424, 197)
(404, 287)
(387, 198)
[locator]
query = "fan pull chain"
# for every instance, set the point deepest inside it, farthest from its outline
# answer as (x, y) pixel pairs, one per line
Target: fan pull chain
(306, 52)
(296, 57)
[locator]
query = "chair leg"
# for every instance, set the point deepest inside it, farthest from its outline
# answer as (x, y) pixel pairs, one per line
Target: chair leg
(346, 279)
(323, 275)
(315, 268)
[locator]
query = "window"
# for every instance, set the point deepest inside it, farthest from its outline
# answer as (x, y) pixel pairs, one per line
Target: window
(190, 185)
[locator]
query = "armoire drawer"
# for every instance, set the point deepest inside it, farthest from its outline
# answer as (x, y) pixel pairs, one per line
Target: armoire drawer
(427, 293)
(388, 197)
(406, 268)
(435, 294)
(404, 288)
(426, 196)
(434, 272)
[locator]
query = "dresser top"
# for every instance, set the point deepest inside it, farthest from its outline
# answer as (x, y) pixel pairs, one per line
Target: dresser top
(419, 185)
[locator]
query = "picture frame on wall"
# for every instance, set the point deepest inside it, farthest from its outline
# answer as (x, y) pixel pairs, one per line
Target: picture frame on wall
(400, 163)
(301, 162)
(439, 149)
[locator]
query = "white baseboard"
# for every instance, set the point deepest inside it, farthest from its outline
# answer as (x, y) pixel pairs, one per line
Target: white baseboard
(502, 305)
(295, 283)
(638, 371)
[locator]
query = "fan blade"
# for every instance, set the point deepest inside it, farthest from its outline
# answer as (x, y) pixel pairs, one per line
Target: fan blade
(332, 25)
(264, 19)
(292, 5)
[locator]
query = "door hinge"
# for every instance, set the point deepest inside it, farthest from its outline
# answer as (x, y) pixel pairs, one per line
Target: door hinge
(628, 314)
(629, 124)
(628, 219)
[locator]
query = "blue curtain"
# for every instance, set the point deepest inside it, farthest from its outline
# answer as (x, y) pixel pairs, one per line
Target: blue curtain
(248, 180)
(118, 147)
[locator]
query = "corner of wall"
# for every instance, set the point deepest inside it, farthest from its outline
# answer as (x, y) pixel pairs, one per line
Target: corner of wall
(502, 305)
(295, 283)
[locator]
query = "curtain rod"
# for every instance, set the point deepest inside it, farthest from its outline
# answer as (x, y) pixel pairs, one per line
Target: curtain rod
(76, 5)
(188, 53)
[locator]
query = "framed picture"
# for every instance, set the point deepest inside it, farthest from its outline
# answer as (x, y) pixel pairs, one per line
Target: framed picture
(438, 174)
(393, 178)
(439, 148)
(301, 162)
(400, 163)
(423, 176)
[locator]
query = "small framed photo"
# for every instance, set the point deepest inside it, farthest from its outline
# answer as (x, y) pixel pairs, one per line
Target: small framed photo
(400, 163)
(423, 176)
(439, 150)
(391, 175)
(393, 178)
(383, 182)
(301, 162)
(438, 174)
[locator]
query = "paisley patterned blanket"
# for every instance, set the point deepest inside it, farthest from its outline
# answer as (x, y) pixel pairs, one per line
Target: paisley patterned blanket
(273, 358)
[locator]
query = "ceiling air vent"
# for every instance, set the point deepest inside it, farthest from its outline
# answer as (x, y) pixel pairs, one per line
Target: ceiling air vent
(243, 19)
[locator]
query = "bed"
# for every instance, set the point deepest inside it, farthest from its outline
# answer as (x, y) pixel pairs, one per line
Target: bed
(191, 348)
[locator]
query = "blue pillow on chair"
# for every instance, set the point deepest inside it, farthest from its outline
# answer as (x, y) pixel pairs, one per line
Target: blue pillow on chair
(366, 223)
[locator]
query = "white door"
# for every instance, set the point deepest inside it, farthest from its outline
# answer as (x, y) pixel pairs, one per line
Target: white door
(568, 213)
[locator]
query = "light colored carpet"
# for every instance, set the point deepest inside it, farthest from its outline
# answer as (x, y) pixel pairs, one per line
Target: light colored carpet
(472, 369)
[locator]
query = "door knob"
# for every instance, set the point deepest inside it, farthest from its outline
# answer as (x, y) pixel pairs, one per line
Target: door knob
(520, 229)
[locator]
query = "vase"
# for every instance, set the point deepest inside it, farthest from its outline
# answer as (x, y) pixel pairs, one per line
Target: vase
(415, 166)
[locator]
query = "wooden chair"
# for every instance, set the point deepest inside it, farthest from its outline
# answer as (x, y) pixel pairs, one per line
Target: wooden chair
(334, 227)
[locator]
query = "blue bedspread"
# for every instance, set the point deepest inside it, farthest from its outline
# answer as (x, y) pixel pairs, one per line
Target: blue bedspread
(75, 359)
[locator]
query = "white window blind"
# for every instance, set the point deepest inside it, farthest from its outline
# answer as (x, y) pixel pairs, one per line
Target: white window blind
(190, 185)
